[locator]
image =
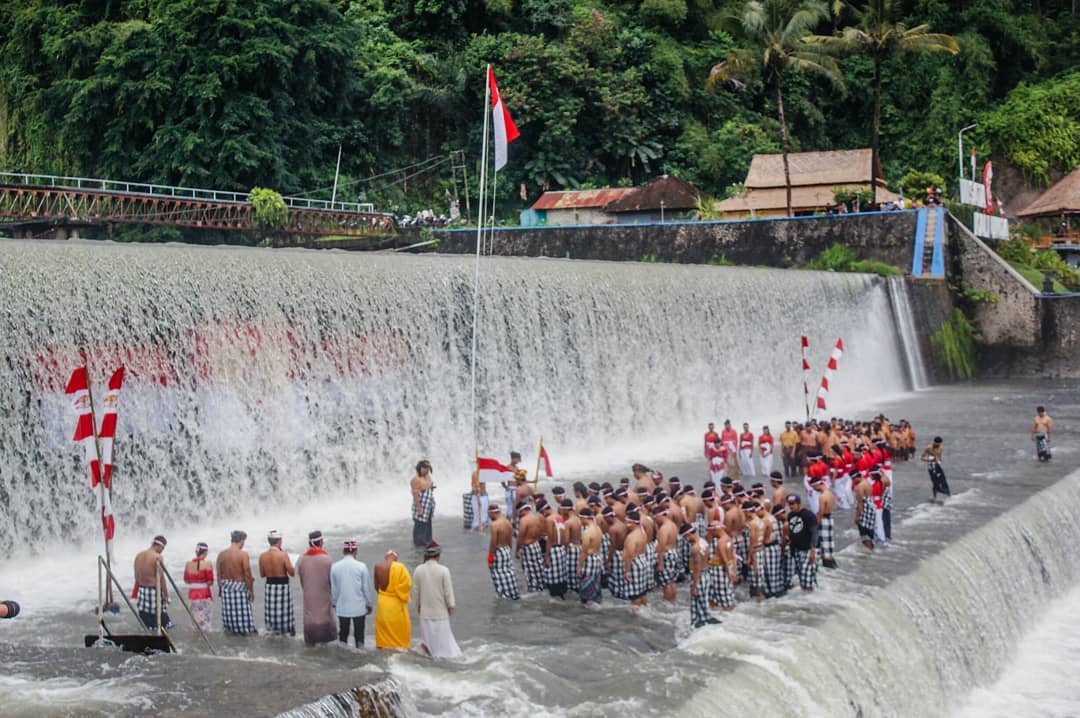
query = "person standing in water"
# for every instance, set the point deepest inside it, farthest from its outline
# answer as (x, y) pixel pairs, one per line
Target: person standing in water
(320, 624)
(353, 593)
(393, 628)
(590, 568)
(932, 456)
(236, 587)
(146, 586)
(433, 596)
(1042, 431)
(276, 567)
(423, 503)
(199, 576)
(500, 557)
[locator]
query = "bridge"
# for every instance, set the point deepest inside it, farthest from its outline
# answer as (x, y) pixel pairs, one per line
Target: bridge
(36, 205)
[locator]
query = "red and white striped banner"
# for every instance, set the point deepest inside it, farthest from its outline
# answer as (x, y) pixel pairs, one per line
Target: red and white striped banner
(545, 461)
(806, 376)
(834, 358)
(491, 470)
(82, 402)
(107, 432)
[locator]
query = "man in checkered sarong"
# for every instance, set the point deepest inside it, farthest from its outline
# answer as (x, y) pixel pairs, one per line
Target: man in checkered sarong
(573, 547)
(146, 586)
(699, 577)
(423, 503)
(722, 568)
(667, 557)
(236, 587)
(556, 569)
(276, 567)
(826, 504)
(756, 563)
(500, 557)
(638, 569)
(775, 579)
(803, 534)
(590, 568)
(529, 551)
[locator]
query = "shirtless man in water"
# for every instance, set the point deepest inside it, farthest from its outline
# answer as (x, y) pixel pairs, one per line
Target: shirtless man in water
(1042, 432)
(500, 561)
(590, 566)
(529, 551)
(236, 586)
(146, 562)
(636, 565)
(667, 553)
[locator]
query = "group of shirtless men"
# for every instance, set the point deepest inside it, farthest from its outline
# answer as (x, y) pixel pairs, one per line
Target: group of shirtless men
(654, 533)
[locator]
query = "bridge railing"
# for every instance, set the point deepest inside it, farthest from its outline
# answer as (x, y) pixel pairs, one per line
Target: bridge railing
(159, 190)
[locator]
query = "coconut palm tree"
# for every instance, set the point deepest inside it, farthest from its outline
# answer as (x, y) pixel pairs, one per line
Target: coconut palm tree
(773, 32)
(879, 38)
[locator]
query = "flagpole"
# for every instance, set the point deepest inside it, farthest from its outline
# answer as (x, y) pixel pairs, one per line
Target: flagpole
(479, 239)
(491, 221)
(101, 480)
(539, 453)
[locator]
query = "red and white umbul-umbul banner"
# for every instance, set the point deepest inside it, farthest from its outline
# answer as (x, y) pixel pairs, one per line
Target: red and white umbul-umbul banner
(503, 128)
(834, 359)
(545, 461)
(491, 470)
(79, 389)
(107, 432)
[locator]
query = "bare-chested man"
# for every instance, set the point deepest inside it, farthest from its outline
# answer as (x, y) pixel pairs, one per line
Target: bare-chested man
(772, 553)
(573, 550)
(643, 477)
(734, 525)
(699, 577)
(590, 567)
(500, 557)
(667, 553)
(556, 568)
(1042, 432)
(236, 587)
(723, 569)
(932, 456)
(637, 569)
(694, 510)
(865, 516)
(615, 530)
(276, 567)
(826, 525)
(779, 497)
(146, 580)
(528, 551)
(757, 551)
(808, 444)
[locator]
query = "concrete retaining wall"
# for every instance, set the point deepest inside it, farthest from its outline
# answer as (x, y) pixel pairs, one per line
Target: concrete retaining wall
(931, 306)
(882, 236)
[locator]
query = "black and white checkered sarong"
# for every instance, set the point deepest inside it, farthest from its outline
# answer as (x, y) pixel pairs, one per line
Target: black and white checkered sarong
(573, 555)
(669, 571)
(684, 557)
(756, 574)
(278, 612)
(146, 605)
(424, 507)
(740, 542)
(699, 604)
(806, 568)
(557, 571)
(827, 536)
(774, 570)
(787, 559)
(467, 509)
(532, 565)
(236, 615)
(617, 576)
(720, 589)
(641, 576)
(650, 551)
(868, 518)
(502, 574)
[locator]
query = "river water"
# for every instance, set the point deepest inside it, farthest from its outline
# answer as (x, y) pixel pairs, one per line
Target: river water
(293, 390)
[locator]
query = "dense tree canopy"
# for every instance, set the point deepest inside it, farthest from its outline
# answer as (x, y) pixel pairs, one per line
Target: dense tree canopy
(233, 94)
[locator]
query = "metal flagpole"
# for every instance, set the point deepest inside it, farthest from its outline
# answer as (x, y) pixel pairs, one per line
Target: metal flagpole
(100, 478)
(479, 239)
(337, 171)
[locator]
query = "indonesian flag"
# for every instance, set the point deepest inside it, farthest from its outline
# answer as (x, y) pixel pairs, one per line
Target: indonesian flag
(545, 461)
(834, 358)
(108, 425)
(503, 125)
(806, 375)
(490, 470)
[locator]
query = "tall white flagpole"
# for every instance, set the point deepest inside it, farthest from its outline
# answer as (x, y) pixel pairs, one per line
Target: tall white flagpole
(479, 240)
(491, 220)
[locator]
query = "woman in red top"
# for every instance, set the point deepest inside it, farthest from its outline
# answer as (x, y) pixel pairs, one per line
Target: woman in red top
(199, 576)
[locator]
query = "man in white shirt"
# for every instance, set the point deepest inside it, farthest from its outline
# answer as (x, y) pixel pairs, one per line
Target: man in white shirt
(353, 594)
(433, 596)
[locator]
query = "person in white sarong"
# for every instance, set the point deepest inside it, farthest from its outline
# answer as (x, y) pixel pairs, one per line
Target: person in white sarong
(433, 596)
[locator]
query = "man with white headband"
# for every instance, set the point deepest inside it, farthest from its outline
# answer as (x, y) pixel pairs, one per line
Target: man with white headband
(393, 628)
(275, 566)
(314, 569)
(433, 594)
(146, 586)
(236, 587)
(353, 593)
(500, 557)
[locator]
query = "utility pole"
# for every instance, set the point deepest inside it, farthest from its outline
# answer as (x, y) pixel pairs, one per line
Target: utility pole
(960, 147)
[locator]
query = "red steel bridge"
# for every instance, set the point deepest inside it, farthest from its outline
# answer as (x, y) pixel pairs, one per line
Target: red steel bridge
(34, 205)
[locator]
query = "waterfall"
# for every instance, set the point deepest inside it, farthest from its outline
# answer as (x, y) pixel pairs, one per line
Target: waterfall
(900, 299)
(259, 376)
(918, 645)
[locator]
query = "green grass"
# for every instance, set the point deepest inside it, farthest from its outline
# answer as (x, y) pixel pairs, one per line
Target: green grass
(1036, 277)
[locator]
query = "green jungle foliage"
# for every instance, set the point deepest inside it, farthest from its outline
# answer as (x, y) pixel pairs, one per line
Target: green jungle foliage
(231, 95)
(839, 258)
(1033, 264)
(954, 346)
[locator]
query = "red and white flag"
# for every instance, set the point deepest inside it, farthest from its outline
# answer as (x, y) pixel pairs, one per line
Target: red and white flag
(806, 376)
(545, 461)
(107, 432)
(988, 180)
(505, 131)
(490, 470)
(82, 403)
(834, 358)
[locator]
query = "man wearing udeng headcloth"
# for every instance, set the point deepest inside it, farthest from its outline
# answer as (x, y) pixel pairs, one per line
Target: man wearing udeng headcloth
(236, 587)
(276, 567)
(500, 556)
(320, 624)
(146, 582)
(423, 506)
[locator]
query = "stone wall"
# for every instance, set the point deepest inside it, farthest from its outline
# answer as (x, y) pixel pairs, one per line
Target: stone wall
(931, 306)
(883, 236)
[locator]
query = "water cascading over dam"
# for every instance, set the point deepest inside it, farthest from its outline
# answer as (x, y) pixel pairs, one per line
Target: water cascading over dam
(291, 374)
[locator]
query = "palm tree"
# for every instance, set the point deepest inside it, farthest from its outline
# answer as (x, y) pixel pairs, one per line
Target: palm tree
(773, 31)
(877, 37)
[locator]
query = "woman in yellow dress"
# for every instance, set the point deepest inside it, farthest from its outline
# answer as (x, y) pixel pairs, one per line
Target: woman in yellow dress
(392, 626)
